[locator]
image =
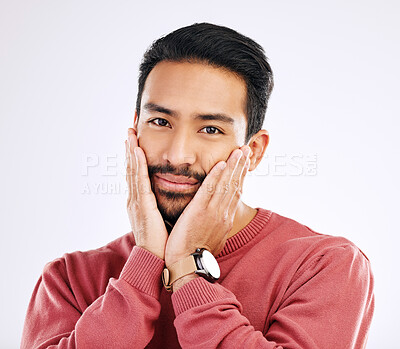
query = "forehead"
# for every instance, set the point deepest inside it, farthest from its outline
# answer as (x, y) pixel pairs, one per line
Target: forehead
(189, 88)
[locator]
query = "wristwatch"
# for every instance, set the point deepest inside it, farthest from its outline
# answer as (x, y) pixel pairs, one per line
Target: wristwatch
(201, 262)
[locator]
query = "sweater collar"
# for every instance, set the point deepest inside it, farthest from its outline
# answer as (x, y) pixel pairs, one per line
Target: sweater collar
(247, 233)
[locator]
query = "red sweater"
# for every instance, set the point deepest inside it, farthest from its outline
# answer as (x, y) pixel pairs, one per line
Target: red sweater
(282, 285)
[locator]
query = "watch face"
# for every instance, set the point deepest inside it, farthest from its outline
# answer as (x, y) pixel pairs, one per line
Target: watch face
(210, 264)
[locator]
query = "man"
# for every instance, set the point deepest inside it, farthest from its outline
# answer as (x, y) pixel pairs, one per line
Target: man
(200, 268)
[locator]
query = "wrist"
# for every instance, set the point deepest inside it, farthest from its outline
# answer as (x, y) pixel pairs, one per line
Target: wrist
(158, 254)
(187, 267)
(170, 260)
(183, 281)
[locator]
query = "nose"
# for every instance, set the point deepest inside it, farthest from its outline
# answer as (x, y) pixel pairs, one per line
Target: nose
(180, 151)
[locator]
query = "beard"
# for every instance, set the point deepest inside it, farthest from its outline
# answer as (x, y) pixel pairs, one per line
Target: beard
(171, 204)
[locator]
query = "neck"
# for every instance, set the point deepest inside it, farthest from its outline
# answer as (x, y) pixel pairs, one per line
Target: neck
(244, 214)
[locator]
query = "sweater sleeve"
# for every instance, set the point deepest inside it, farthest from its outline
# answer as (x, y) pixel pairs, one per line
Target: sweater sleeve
(328, 304)
(122, 317)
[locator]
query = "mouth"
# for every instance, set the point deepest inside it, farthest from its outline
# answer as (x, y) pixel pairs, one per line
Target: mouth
(175, 183)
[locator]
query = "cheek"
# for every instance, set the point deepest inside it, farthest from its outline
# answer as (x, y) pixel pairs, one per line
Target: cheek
(216, 155)
(151, 149)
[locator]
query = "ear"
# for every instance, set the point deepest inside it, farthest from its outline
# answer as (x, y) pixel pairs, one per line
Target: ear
(258, 144)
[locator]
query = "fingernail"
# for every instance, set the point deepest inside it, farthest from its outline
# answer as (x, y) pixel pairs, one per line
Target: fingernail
(239, 154)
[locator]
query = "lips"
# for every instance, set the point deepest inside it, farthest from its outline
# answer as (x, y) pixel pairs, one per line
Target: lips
(176, 183)
(177, 179)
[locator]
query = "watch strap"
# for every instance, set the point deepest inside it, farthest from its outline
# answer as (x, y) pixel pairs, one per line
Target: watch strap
(178, 270)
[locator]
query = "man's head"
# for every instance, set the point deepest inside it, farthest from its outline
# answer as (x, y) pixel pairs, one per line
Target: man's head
(203, 92)
(221, 47)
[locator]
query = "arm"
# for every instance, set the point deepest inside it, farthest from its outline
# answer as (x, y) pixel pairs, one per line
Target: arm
(123, 316)
(329, 304)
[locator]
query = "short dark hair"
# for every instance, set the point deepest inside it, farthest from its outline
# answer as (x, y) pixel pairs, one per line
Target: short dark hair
(222, 47)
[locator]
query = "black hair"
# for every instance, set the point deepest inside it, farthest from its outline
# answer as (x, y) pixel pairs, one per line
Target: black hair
(222, 47)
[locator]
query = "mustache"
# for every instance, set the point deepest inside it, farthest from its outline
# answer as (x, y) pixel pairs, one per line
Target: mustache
(168, 168)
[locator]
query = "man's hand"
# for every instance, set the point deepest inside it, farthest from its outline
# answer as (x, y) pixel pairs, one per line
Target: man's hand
(208, 218)
(146, 221)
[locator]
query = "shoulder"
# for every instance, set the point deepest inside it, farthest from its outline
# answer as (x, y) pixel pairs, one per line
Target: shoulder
(298, 246)
(89, 271)
(315, 251)
(119, 248)
(292, 234)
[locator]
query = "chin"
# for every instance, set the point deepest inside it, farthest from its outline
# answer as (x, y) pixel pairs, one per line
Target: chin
(172, 204)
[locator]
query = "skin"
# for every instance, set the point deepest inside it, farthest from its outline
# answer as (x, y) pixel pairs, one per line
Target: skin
(167, 137)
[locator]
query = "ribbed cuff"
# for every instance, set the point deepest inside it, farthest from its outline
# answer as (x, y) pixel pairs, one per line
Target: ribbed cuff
(143, 271)
(196, 292)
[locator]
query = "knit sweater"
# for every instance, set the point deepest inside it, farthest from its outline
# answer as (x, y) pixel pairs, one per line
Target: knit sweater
(282, 285)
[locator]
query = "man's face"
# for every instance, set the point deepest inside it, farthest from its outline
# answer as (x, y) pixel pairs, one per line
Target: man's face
(192, 116)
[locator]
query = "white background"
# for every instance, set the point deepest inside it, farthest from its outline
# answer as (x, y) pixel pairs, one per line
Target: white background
(68, 83)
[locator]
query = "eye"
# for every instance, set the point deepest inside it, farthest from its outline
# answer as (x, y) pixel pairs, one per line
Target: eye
(211, 130)
(161, 122)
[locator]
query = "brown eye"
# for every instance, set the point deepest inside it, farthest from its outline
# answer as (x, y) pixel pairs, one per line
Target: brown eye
(159, 122)
(211, 130)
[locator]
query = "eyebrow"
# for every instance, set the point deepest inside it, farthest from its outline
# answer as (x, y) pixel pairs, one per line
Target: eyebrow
(152, 107)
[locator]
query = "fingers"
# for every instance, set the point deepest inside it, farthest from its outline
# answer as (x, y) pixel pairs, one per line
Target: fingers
(207, 188)
(143, 184)
(132, 138)
(130, 172)
(231, 181)
(231, 200)
(131, 165)
(137, 177)
(223, 183)
(130, 145)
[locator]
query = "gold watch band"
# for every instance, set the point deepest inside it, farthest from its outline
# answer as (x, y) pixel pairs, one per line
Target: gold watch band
(178, 270)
